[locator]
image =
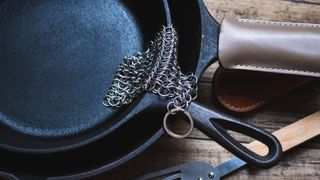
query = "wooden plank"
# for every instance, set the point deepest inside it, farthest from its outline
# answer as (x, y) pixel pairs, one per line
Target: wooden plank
(267, 10)
(168, 152)
(315, 2)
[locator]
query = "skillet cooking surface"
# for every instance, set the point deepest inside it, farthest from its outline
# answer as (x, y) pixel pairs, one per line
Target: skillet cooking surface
(56, 58)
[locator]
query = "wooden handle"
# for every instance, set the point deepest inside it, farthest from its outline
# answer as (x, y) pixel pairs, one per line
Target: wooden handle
(292, 135)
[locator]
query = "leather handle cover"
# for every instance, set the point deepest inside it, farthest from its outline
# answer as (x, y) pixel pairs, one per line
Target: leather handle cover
(278, 47)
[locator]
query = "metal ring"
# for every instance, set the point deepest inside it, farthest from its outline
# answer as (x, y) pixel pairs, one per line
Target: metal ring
(171, 133)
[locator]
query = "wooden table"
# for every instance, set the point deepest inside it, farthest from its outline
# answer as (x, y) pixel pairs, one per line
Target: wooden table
(300, 163)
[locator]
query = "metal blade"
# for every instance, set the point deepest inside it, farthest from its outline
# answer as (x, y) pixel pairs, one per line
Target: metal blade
(195, 170)
(192, 170)
(229, 166)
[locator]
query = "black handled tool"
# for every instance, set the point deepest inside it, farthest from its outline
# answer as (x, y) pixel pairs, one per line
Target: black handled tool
(289, 136)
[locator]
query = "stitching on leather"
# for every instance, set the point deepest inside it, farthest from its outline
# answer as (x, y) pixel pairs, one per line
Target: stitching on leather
(277, 69)
(279, 23)
(241, 109)
(259, 103)
(227, 104)
(264, 101)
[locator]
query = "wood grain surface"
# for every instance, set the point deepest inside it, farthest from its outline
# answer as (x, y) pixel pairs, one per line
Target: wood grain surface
(302, 162)
(292, 135)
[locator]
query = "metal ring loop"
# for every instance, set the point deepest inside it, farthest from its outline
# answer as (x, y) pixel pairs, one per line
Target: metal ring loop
(171, 133)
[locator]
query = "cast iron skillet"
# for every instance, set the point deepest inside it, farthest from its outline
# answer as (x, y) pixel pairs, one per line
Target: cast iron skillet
(58, 59)
(100, 156)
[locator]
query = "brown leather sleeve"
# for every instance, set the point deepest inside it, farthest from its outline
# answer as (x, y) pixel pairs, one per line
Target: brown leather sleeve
(279, 47)
(243, 91)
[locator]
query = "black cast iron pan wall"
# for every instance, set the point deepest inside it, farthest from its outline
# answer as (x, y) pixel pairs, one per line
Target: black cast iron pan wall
(58, 58)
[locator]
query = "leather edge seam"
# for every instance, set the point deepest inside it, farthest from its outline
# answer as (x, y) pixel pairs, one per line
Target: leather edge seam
(245, 67)
(220, 55)
(305, 25)
(261, 102)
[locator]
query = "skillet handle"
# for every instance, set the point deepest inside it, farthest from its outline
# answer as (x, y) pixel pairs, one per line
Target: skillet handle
(215, 125)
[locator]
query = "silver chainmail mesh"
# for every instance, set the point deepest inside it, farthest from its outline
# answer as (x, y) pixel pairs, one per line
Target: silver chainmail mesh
(155, 70)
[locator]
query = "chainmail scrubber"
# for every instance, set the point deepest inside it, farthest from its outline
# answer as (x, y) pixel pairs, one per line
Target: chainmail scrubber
(155, 70)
